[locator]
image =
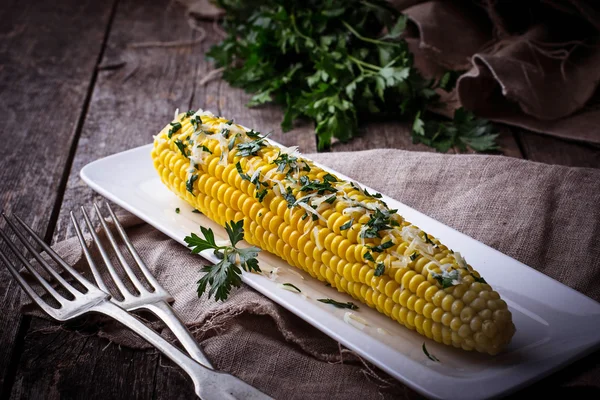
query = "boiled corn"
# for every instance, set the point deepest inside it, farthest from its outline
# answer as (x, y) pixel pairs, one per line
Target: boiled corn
(334, 230)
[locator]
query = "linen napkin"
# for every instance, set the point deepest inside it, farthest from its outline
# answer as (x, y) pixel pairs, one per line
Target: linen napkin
(545, 216)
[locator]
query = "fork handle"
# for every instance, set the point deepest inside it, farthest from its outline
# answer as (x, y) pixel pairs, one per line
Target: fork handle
(166, 313)
(208, 384)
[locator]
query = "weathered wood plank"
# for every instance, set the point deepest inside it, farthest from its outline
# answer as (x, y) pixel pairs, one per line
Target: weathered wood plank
(48, 53)
(128, 106)
(508, 143)
(551, 150)
(58, 362)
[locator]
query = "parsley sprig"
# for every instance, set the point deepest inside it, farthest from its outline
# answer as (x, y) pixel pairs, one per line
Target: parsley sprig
(252, 147)
(428, 354)
(227, 273)
(338, 304)
(291, 163)
(255, 180)
(378, 221)
(316, 185)
(338, 62)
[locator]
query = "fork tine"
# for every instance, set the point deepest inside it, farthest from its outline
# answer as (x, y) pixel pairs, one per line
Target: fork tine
(87, 284)
(134, 279)
(132, 250)
(70, 288)
(88, 256)
(109, 266)
(57, 296)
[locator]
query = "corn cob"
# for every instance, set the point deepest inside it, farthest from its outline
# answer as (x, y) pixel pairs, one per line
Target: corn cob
(332, 229)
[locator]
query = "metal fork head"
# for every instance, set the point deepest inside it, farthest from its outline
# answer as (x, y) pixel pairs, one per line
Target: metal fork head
(130, 301)
(81, 301)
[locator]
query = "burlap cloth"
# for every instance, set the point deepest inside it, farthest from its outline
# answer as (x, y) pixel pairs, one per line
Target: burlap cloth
(545, 216)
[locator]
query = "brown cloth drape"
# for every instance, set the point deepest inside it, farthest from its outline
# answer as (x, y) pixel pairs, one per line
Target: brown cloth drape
(533, 64)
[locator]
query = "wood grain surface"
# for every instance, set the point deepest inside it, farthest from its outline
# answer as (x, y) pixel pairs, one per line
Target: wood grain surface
(48, 54)
(128, 106)
(73, 89)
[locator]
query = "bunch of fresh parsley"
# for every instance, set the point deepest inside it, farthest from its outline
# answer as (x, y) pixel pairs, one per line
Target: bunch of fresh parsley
(227, 273)
(337, 62)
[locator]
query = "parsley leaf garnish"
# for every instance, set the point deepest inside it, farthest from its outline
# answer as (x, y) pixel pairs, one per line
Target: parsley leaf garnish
(244, 176)
(289, 197)
(329, 62)
(204, 148)
(414, 256)
(379, 221)
(374, 195)
(260, 194)
(347, 225)
(430, 356)
(253, 134)
(190, 183)
(181, 147)
(227, 273)
(382, 247)
(480, 279)
(329, 178)
(285, 160)
(446, 279)
(292, 286)
(196, 121)
(320, 187)
(231, 143)
(251, 148)
(368, 256)
(175, 126)
(427, 240)
(349, 304)
(380, 269)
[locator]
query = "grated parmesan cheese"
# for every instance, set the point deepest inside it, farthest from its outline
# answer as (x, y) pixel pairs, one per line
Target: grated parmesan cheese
(350, 210)
(411, 234)
(274, 274)
(311, 210)
(461, 261)
(352, 319)
(316, 237)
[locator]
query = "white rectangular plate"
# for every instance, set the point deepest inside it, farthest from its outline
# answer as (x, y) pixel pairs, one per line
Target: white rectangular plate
(555, 324)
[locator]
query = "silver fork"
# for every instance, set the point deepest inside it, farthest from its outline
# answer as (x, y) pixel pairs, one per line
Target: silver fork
(156, 301)
(209, 384)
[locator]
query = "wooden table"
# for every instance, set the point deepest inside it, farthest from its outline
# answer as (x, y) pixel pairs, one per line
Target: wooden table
(74, 90)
